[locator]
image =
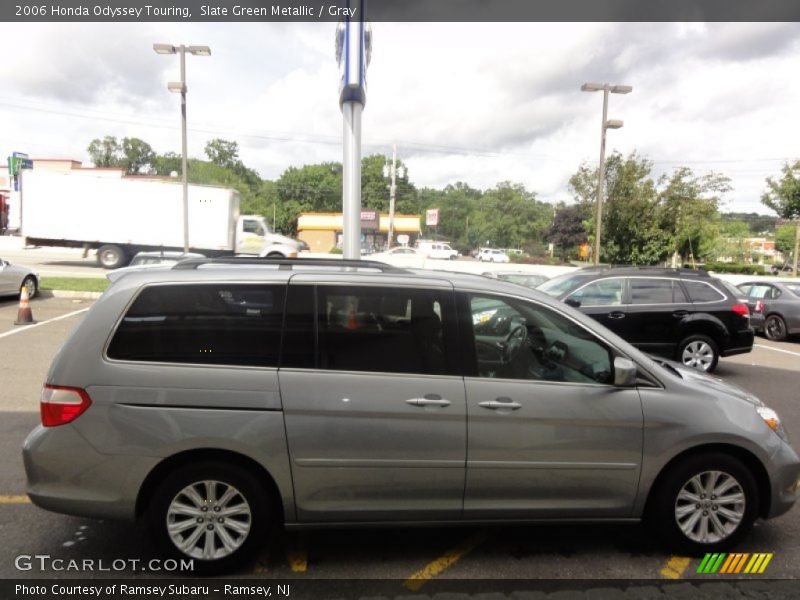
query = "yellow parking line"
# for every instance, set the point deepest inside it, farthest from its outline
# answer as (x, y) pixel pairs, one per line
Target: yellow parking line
(14, 500)
(449, 558)
(675, 567)
(296, 553)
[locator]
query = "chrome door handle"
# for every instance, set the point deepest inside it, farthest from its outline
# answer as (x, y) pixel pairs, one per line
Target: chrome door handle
(500, 403)
(432, 401)
(616, 315)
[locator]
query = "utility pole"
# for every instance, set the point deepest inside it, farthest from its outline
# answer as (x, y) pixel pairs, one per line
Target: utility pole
(392, 171)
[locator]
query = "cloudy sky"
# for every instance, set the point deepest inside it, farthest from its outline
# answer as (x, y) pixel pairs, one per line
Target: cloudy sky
(470, 102)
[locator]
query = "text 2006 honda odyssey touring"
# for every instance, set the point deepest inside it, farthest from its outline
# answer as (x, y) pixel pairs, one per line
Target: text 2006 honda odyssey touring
(219, 399)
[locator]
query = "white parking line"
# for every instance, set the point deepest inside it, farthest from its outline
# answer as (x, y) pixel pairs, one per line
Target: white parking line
(40, 323)
(777, 349)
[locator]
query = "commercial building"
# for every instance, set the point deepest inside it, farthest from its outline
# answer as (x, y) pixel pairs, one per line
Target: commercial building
(323, 231)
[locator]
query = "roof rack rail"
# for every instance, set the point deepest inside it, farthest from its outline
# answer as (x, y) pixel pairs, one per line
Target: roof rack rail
(700, 272)
(287, 263)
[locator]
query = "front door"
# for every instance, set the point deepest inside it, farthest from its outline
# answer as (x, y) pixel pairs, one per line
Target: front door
(549, 434)
(374, 408)
(656, 314)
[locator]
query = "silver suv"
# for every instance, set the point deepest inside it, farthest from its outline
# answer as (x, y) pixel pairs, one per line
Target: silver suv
(221, 399)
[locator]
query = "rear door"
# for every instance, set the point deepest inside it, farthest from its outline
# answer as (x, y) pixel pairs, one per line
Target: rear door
(656, 310)
(603, 300)
(373, 400)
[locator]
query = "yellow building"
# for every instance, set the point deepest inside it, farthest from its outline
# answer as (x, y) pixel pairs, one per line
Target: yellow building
(323, 231)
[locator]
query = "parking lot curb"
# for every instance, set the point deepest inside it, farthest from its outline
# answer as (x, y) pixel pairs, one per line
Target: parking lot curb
(70, 294)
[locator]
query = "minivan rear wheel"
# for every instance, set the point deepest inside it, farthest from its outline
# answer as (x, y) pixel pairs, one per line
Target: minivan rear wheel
(699, 352)
(214, 513)
(705, 503)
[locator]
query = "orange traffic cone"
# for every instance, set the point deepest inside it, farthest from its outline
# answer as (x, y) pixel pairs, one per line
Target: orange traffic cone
(352, 323)
(24, 315)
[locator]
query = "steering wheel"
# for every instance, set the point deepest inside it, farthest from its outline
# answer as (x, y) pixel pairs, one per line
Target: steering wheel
(514, 342)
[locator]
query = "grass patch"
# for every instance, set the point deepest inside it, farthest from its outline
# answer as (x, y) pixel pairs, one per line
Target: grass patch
(74, 284)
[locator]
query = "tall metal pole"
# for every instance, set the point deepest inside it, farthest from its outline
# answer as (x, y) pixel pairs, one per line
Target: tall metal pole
(392, 195)
(184, 159)
(351, 180)
(598, 216)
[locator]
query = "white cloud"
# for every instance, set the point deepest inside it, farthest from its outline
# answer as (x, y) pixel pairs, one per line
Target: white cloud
(475, 102)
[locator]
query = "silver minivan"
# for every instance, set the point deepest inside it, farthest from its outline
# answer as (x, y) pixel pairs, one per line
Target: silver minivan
(221, 399)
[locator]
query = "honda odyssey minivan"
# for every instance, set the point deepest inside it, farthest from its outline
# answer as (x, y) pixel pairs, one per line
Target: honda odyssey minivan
(221, 399)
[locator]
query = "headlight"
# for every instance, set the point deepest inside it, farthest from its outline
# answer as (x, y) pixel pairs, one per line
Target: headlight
(773, 421)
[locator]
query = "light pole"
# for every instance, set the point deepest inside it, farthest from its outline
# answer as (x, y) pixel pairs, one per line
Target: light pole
(180, 86)
(392, 171)
(605, 125)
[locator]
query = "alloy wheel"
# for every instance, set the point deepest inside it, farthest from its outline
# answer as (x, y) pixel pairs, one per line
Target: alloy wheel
(698, 355)
(209, 520)
(710, 507)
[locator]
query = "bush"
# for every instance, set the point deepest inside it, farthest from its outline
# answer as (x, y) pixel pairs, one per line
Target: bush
(721, 267)
(336, 250)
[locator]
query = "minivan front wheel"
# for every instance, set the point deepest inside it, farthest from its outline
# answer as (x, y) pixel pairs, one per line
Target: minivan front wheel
(699, 352)
(705, 504)
(213, 513)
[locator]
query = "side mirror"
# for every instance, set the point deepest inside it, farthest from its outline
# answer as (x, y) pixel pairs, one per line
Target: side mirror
(624, 372)
(572, 302)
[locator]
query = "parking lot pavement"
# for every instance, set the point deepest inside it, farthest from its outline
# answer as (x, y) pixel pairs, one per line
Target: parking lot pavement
(411, 560)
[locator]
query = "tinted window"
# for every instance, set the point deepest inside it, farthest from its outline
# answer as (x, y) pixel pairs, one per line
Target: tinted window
(651, 291)
(515, 339)
(202, 324)
(605, 292)
(794, 288)
(702, 292)
(385, 330)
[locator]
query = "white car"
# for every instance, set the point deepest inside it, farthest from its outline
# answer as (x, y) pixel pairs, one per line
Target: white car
(401, 256)
(493, 255)
(437, 250)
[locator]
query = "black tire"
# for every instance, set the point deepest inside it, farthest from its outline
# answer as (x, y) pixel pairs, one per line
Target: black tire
(110, 256)
(275, 255)
(707, 355)
(248, 488)
(775, 328)
(665, 503)
(32, 284)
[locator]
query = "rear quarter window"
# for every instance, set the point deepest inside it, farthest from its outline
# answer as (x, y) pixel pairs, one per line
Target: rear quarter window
(219, 324)
(700, 291)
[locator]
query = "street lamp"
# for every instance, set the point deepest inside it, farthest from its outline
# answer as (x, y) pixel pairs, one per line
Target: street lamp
(393, 171)
(605, 125)
(180, 87)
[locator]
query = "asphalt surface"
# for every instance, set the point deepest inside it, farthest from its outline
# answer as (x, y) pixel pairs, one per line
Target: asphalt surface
(414, 561)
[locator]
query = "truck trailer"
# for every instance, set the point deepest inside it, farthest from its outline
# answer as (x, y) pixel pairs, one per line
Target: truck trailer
(120, 216)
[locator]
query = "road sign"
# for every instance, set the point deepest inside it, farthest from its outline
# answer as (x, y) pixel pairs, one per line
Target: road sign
(432, 217)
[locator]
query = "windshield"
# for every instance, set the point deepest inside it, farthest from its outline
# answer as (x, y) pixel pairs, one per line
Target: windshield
(563, 284)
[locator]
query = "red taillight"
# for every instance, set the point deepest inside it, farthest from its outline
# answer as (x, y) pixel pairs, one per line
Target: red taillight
(741, 309)
(61, 405)
(759, 306)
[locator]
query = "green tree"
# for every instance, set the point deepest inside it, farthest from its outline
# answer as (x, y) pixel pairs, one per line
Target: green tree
(784, 238)
(137, 155)
(783, 196)
(223, 153)
(106, 152)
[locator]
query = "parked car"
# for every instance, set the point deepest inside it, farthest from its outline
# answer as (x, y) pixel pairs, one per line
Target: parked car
(774, 306)
(148, 260)
(683, 314)
(493, 255)
(161, 258)
(218, 400)
(14, 277)
(402, 256)
(531, 280)
(440, 250)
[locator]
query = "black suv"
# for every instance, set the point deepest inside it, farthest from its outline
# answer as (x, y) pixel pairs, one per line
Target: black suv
(683, 314)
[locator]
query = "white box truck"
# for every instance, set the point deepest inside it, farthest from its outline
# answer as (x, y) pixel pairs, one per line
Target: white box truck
(119, 216)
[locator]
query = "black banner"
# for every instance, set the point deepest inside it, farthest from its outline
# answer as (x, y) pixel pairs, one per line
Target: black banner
(400, 10)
